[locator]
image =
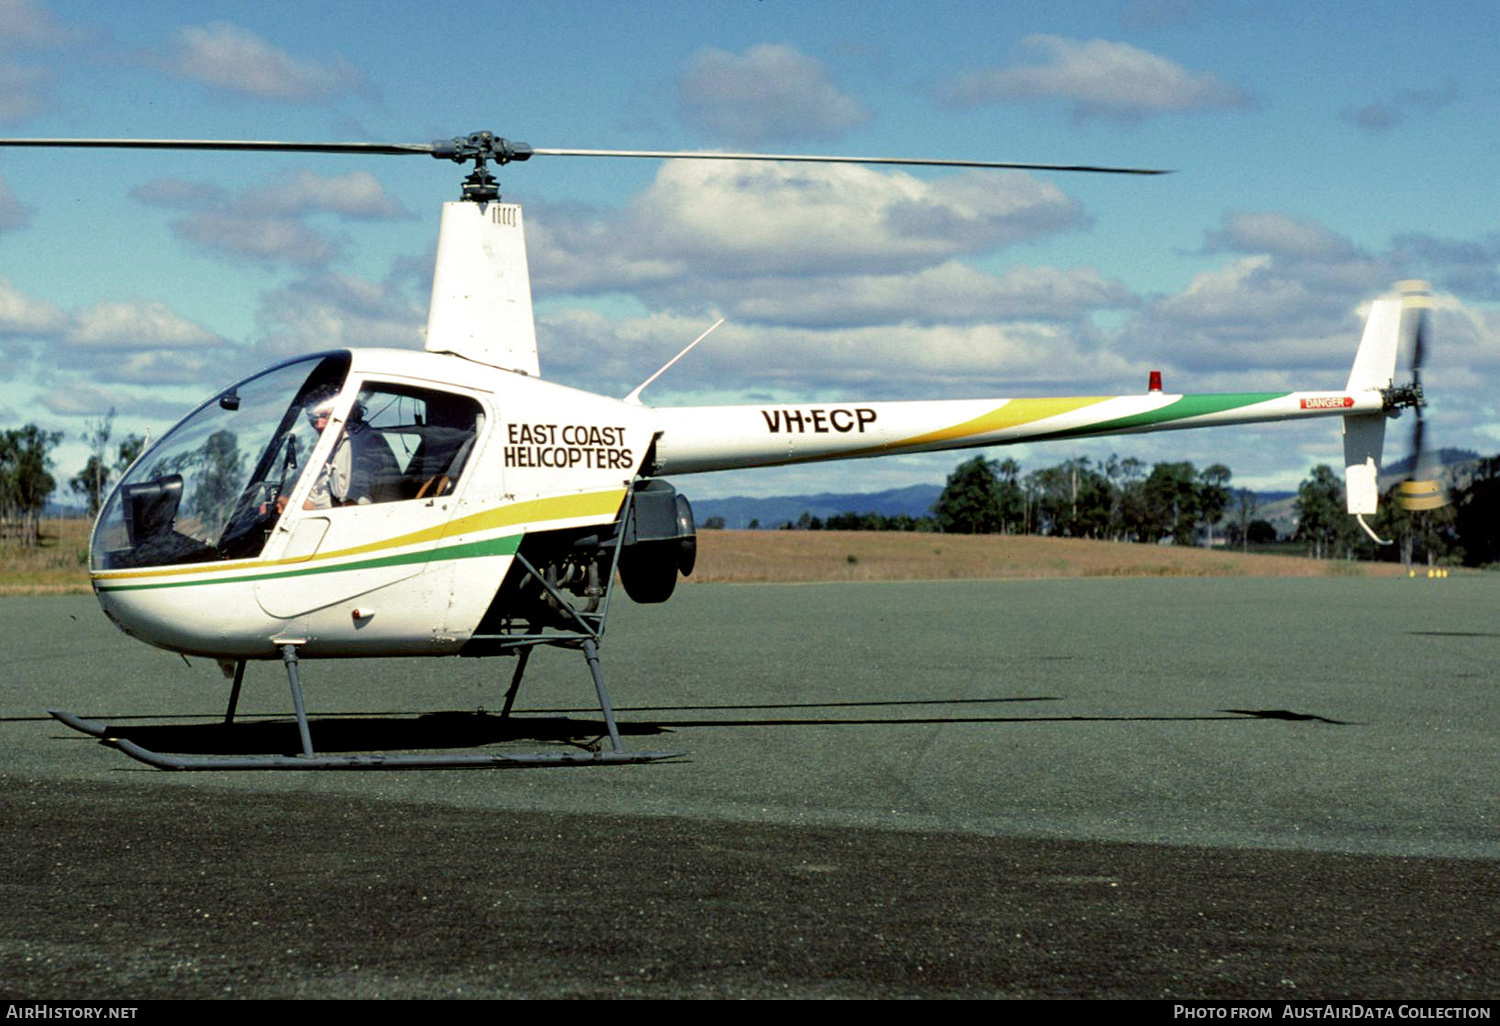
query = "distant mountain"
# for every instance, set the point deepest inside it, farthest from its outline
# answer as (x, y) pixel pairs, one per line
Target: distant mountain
(1456, 460)
(738, 511)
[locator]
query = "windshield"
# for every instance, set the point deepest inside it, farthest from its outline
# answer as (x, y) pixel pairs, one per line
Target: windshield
(208, 489)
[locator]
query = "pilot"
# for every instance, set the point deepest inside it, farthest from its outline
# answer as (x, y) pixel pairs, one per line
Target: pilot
(353, 474)
(360, 463)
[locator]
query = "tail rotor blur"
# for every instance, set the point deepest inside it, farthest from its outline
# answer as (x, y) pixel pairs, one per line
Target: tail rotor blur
(1422, 490)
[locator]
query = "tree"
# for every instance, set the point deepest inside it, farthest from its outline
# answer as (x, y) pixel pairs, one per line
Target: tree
(130, 450)
(1128, 514)
(1260, 532)
(1012, 498)
(1477, 514)
(1124, 478)
(1213, 496)
(1320, 503)
(92, 482)
(25, 478)
(1170, 497)
(970, 503)
(96, 473)
(1245, 508)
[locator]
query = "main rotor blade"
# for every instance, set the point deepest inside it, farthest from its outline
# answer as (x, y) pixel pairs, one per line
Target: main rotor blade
(393, 149)
(814, 159)
(444, 150)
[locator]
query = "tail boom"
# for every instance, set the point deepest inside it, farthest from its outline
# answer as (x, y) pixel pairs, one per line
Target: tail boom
(703, 438)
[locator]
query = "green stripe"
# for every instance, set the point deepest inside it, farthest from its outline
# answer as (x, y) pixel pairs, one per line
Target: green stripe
(1184, 408)
(506, 546)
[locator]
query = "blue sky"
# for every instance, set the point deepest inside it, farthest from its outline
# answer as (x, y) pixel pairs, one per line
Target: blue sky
(1322, 153)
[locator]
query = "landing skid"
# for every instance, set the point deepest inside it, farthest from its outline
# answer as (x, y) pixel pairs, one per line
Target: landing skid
(500, 760)
(310, 759)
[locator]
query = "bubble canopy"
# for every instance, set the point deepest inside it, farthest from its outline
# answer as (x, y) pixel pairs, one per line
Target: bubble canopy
(208, 489)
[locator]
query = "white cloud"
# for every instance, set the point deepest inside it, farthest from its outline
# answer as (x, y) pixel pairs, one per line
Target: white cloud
(1373, 117)
(137, 326)
(951, 293)
(24, 91)
(748, 363)
(1468, 267)
(177, 193)
(771, 92)
(1384, 115)
(267, 223)
(357, 195)
(25, 25)
(164, 367)
(256, 237)
(81, 399)
(1099, 78)
(232, 59)
(329, 311)
(1280, 235)
(717, 220)
(21, 314)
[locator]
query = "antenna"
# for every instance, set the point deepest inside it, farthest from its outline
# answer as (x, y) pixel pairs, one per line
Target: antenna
(634, 398)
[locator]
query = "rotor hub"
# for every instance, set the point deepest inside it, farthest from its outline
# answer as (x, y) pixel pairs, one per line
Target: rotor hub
(481, 147)
(1401, 397)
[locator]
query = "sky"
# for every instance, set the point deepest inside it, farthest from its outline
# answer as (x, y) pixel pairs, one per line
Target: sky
(1320, 154)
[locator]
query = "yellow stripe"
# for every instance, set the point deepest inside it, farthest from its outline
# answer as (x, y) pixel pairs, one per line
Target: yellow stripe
(558, 507)
(1013, 414)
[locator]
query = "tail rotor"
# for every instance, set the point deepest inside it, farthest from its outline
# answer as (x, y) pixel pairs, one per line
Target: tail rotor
(1422, 490)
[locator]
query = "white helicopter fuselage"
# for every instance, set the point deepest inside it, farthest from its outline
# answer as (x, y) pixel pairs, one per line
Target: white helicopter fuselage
(243, 530)
(414, 575)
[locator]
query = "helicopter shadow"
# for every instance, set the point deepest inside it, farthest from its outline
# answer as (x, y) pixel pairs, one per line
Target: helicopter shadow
(678, 721)
(440, 731)
(453, 730)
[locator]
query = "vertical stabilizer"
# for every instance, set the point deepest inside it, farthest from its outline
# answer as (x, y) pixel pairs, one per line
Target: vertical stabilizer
(1375, 363)
(481, 290)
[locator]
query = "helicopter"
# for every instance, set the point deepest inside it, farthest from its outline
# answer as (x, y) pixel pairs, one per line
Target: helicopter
(451, 502)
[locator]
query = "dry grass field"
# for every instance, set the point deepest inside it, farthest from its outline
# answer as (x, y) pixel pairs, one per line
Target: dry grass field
(791, 556)
(58, 565)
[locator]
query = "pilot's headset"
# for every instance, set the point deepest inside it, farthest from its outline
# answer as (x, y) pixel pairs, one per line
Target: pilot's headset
(319, 403)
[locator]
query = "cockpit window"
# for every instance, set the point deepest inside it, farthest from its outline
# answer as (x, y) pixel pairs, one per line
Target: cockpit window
(399, 442)
(209, 489)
